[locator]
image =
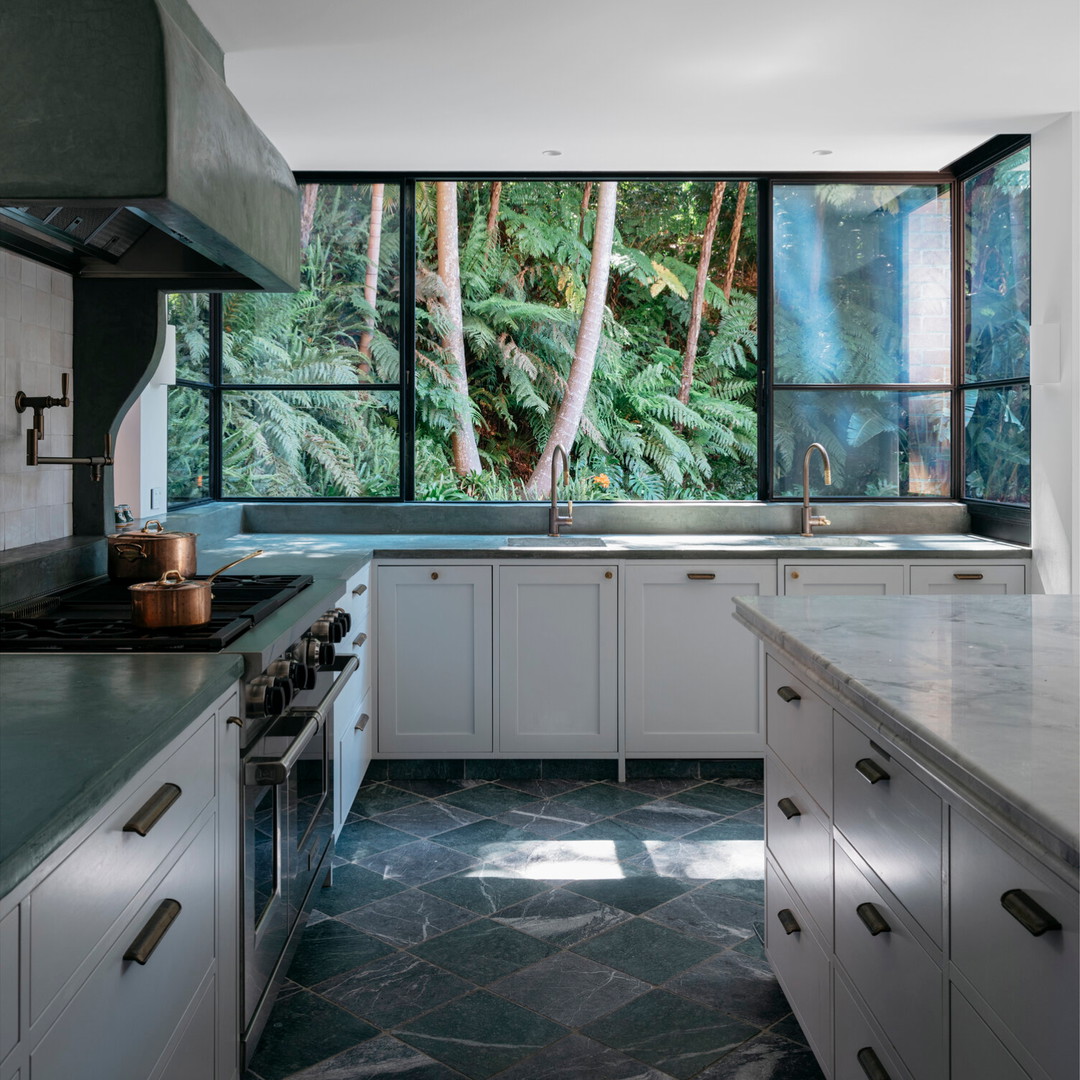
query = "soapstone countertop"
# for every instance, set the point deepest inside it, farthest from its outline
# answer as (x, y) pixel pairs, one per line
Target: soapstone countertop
(75, 727)
(338, 554)
(984, 689)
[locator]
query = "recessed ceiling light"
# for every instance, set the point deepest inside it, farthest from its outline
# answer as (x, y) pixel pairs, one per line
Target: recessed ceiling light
(821, 153)
(551, 153)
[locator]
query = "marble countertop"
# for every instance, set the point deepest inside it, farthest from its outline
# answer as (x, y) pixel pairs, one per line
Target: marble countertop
(984, 689)
(75, 727)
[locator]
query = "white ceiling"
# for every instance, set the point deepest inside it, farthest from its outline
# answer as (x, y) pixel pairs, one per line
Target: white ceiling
(645, 85)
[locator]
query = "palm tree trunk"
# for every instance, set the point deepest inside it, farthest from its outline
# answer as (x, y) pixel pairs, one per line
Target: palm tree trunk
(463, 440)
(493, 210)
(697, 300)
(371, 277)
(736, 232)
(568, 417)
(307, 213)
(584, 210)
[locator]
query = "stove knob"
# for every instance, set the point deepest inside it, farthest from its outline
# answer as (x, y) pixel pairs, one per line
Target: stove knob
(327, 654)
(344, 618)
(275, 701)
(285, 685)
(304, 677)
(265, 697)
(326, 629)
(306, 652)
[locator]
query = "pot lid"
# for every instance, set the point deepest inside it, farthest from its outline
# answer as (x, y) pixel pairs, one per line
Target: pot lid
(171, 580)
(147, 533)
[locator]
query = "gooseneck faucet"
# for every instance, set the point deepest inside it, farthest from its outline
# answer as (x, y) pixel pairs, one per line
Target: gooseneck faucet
(809, 520)
(555, 519)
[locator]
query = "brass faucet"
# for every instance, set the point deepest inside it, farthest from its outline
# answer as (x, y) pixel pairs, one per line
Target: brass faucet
(36, 432)
(809, 520)
(555, 519)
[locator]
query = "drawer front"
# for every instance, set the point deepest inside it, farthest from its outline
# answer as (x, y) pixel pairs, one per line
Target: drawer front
(899, 982)
(801, 966)
(9, 982)
(799, 731)
(1029, 981)
(974, 1050)
(75, 906)
(855, 1040)
(988, 578)
(894, 823)
(800, 843)
(354, 755)
(120, 1022)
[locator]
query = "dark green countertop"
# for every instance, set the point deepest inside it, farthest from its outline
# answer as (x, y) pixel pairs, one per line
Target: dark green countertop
(75, 727)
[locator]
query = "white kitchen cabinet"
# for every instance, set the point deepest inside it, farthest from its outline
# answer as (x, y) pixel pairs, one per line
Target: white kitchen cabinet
(692, 673)
(353, 732)
(558, 659)
(76, 1001)
(434, 632)
(998, 579)
(839, 578)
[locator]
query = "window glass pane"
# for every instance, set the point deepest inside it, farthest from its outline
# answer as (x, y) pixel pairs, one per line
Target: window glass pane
(188, 444)
(342, 326)
(997, 270)
(861, 283)
(189, 313)
(881, 443)
(997, 459)
(310, 443)
(505, 325)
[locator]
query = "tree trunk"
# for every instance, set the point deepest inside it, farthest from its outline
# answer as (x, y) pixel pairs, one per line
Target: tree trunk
(493, 210)
(697, 300)
(307, 213)
(584, 210)
(371, 277)
(736, 232)
(463, 440)
(568, 417)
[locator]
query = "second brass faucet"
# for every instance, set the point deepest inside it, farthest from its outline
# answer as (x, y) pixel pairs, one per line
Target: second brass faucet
(555, 519)
(809, 520)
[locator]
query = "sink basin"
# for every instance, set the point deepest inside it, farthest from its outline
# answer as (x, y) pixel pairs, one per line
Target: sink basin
(569, 540)
(825, 541)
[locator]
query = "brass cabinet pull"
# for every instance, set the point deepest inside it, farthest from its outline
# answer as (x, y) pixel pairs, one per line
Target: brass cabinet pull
(153, 810)
(788, 921)
(701, 577)
(359, 590)
(434, 575)
(363, 722)
(871, 1064)
(795, 573)
(789, 809)
(872, 919)
(235, 720)
(968, 577)
(871, 770)
(788, 694)
(361, 638)
(608, 574)
(1032, 916)
(149, 937)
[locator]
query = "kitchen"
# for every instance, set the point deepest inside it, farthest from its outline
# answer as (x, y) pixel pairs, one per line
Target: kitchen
(45, 529)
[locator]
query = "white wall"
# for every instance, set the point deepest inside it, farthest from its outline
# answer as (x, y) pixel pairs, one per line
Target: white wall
(35, 349)
(1055, 359)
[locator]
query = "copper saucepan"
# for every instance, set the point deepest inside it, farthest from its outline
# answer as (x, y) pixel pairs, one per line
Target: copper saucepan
(173, 601)
(145, 554)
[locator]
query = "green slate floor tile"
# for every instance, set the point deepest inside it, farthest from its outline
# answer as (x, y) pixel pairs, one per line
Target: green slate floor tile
(766, 1056)
(483, 951)
(362, 838)
(481, 1034)
(636, 891)
(718, 798)
(482, 893)
(604, 798)
(676, 1036)
(302, 1030)
(329, 948)
(487, 799)
(374, 799)
(646, 951)
(384, 1058)
(354, 886)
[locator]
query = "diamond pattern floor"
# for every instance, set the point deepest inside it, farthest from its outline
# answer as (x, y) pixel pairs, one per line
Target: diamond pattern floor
(530, 930)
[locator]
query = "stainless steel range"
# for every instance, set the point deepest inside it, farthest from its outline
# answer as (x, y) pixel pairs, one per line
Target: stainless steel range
(286, 632)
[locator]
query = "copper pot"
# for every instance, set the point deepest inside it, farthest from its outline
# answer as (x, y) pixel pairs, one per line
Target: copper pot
(145, 554)
(173, 601)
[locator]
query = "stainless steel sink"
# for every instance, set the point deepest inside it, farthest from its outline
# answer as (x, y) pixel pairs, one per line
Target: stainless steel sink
(824, 541)
(569, 540)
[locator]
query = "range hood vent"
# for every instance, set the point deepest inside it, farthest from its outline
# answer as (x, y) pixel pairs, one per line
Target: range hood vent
(143, 165)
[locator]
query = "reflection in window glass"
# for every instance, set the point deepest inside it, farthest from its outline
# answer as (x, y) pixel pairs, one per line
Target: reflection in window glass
(882, 444)
(189, 314)
(997, 270)
(188, 444)
(997, 455)
(309, 443)
(861, 283)
(341, 327)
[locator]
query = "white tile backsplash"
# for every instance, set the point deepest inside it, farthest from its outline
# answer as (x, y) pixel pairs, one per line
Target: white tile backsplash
(35, 350)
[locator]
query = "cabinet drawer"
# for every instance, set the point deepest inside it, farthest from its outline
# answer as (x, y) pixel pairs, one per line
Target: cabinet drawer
(899, 982)
(1029, 981)
(354, 754)
(74, 907)
(854, 1036)
(127, 1011)
(989, 578)
(799, 731)
(842, 579)
(800, 964)
(974, 1050)
(9, 982)
(893, 822)
(800, 843)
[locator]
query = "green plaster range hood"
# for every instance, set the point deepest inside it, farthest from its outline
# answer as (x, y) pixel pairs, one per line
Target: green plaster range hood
(125, 155)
